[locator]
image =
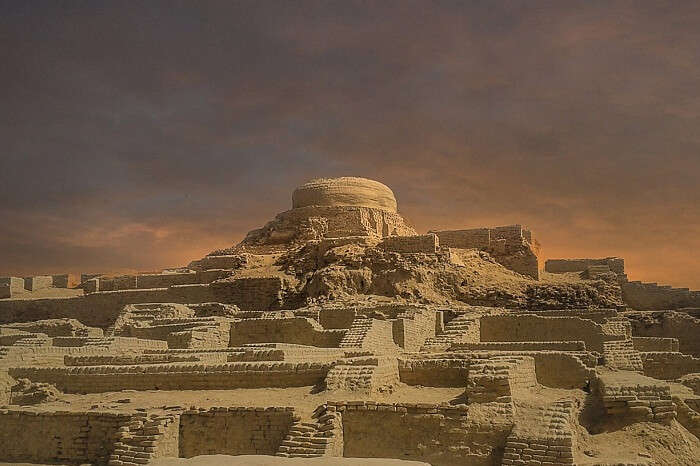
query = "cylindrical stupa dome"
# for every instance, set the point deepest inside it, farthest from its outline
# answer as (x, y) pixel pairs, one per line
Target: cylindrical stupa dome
(344, 191)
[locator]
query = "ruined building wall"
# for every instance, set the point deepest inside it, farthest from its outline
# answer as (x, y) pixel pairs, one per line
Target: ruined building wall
(234, 431)
(436, 434)
(653, 297)
(536, 328)
(295, 330)
(616, 264)
(679, 325)
(41, 437)
(413, 329)
(512, 246)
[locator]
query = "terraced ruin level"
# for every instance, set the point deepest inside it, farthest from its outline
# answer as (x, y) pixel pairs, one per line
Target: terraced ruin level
(337, 330)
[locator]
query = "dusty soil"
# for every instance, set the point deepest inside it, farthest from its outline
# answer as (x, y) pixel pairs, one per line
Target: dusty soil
(302, 398)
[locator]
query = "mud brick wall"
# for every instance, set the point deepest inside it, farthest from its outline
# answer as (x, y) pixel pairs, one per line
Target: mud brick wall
(170, 279)
(427, 244)
(640, 399)
(436, 434)
(479, 238)
(145, 438)
(669, 366)
(40, 437)
(535, 328)
(410, 330)
(255, 294)
(336, 318)
(499, 378)
(131, 359)
(561, 370)
(59, 281)
(655, 344)
(653, 297)
(622, 355)
(520, 346)
(617, 326)
(668, 325)
(434, 372)
(184, 376)
(370, 334)
(555, 369)
(211, 336)
(363, 374)
(295, 330)
(596, 315)
(234, 431)
(39, 282)
(6, 383)
(616, 265)
(548, 439)
(13, 284)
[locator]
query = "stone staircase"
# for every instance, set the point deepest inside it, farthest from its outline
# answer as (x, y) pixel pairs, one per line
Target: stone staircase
(461, 329)
(312, 437)
(144, 439)
(356, 334)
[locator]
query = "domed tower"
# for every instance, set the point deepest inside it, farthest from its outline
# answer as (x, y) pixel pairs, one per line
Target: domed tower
(329, 208)
(344, 191)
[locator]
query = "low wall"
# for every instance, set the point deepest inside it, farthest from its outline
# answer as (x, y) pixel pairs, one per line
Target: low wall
(520, 346)
(234, 431)
(436, 434)
(616, 265)
(630, 397)
(479, 238)
(39, 282)
(647, 344)
(40, 437)
(669, 366)
(411, 330)
(294, 330)
(535, 328)
(653, 297)
(254, 294)
(668, 324)
(98, 379)
(60, 281)
(434, 372)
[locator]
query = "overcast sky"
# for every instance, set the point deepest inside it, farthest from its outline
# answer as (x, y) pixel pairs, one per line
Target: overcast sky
(143, 134)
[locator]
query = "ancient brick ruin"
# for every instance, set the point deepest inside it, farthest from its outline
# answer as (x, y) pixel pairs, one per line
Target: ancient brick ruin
(337, 330)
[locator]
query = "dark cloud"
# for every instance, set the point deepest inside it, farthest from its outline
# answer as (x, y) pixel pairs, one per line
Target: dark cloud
(142, 135)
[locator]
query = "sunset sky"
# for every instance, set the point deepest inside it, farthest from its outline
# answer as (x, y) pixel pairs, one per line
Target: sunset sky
(143, 134)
